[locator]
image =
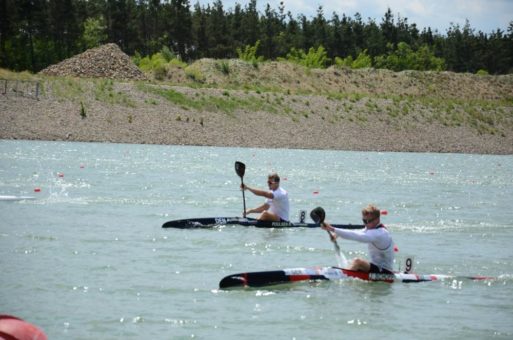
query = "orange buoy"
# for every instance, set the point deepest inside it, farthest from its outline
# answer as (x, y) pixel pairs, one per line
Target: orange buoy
(12, 327)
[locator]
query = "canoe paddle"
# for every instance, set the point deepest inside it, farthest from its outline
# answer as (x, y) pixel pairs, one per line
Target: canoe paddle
(240, 169)
(318, 215)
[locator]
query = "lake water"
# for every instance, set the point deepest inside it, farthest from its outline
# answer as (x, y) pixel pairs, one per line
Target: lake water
(88, 259)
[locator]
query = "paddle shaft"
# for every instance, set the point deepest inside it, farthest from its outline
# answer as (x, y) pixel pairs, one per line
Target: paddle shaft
(243, 197)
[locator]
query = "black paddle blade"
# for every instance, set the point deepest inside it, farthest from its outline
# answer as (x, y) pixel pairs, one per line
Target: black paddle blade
(318, 215)
(240, 169)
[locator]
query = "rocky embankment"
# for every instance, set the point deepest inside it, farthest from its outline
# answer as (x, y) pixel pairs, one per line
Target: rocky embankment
(102, 96)
(107, 61)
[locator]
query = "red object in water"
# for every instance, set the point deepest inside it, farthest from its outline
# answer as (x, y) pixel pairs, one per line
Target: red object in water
(37, 189)
(316, 193)
(13, 328)
(396, 249)
(384, 212)
(60, 174)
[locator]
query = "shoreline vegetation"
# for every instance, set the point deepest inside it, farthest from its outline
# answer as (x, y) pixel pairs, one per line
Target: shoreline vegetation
(273, 104)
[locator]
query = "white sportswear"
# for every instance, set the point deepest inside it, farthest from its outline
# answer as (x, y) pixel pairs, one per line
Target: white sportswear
(381, 250)
(279, 204)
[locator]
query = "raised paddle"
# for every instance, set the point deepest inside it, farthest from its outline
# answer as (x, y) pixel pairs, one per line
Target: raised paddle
(318, 215)
(240, 169)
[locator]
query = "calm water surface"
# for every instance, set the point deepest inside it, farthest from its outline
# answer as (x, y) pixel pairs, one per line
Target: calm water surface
(88, 259)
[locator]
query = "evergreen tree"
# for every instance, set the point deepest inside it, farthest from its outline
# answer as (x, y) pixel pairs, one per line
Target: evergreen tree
(217, 26)
(271, 30)
(8, 19)
(250, 24)
(375, 42)
(458, 49)
(65, 30)
(334, 44)
(406, 32)
(357, 27)
(307, 35)
(155, 27)
(508, 66)
(319, 29)
(388, 28)
(31, 30)
(180, 26)
(200, 43)
(348, 40)
(427, 37)
(291, 36)
(37, 33)
(143, 27)
(236, 26)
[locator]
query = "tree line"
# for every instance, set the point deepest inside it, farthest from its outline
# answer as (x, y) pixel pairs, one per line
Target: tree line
(38, 33)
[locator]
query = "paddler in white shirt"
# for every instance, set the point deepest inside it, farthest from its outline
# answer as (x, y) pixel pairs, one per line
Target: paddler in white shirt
(378, 238)
(276, 206)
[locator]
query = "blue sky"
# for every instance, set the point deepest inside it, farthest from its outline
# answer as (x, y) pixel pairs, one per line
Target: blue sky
(483, 15)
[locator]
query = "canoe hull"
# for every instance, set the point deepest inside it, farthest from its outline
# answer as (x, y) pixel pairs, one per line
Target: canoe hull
(209, 222)
(271, 278)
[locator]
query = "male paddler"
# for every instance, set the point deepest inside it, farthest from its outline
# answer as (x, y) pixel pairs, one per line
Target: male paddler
(378, 238)
(276, 206)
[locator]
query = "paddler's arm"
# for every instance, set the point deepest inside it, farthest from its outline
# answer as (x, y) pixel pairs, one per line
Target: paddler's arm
(259, 209)
(258, 192)
(355, 235)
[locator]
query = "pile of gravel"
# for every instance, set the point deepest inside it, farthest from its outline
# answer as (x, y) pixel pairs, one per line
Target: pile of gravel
(106, 61)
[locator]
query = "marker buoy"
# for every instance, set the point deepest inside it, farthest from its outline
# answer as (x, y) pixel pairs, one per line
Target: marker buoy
(384, 212)
(396, 249)
(82, 166)
(60, 174)
(37, 189)
(12, 327)
(316, 193)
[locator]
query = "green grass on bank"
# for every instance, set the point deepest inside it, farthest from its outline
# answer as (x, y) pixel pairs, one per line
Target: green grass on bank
(227, 102)
(486, 116)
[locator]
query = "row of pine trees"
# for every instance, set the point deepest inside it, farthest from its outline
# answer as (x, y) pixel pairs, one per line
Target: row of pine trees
(38, 33)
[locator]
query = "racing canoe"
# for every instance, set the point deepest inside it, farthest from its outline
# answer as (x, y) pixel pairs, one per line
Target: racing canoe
(271, 278)
(209, 222)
